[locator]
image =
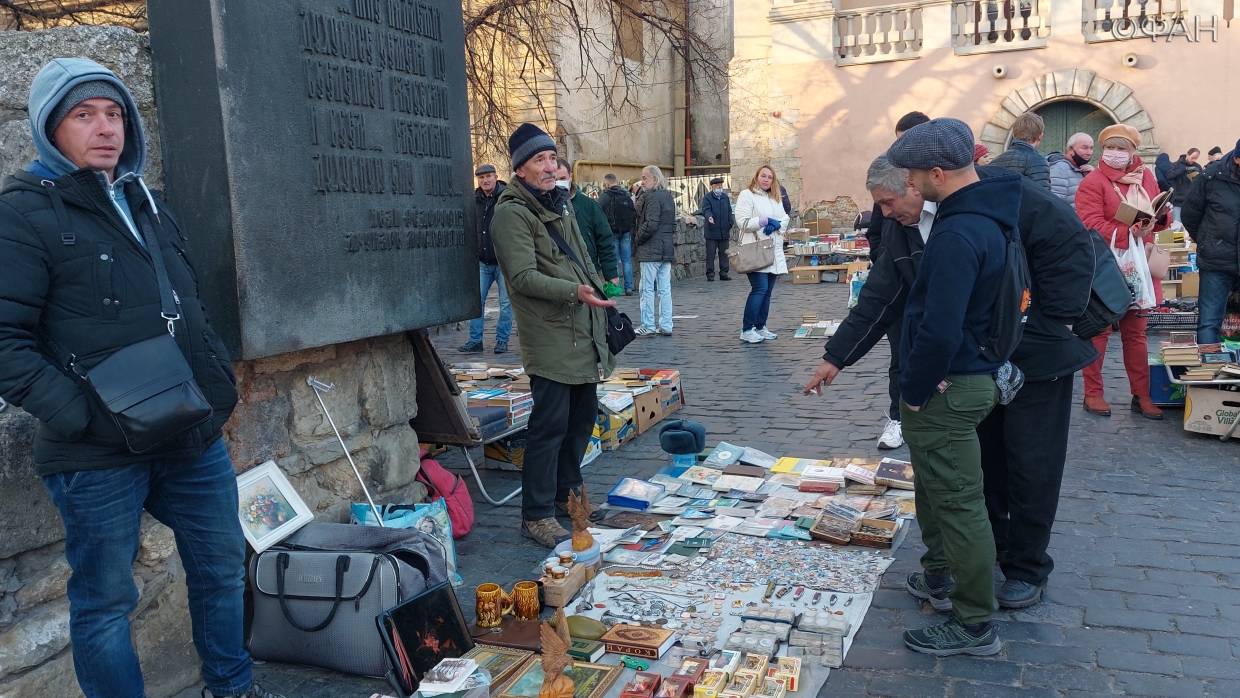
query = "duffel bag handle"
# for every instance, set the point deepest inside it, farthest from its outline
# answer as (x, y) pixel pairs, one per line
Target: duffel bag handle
(342, 566)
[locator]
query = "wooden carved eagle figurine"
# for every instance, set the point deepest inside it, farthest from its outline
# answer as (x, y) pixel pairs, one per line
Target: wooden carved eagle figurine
(555, 643)
(579, 511)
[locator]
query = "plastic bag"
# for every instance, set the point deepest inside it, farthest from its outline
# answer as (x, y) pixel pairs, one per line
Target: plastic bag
(1136, 270)
(855, 282)
(431, 519)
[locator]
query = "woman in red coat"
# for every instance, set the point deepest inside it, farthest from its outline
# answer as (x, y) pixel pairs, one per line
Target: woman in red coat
(1120, 176)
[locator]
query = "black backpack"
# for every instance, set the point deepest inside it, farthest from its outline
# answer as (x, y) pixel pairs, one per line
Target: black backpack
(621, 215)
(1109, 296)
(1011, 311)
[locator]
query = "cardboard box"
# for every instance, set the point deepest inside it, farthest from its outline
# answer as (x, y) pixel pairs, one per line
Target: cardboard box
(1171, 289)
(806, 275)
(648, 410)
(1162, 391)
(1190, 284)
(1211, 410)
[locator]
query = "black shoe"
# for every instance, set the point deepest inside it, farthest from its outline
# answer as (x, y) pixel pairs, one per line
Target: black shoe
(724, 277)
(470, 348)
(710, 278)
(952, 637)
(932, 587)
(1017, 594)
(501, 347)
(255, 691)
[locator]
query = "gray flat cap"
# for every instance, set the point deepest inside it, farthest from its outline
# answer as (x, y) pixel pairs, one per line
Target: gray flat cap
(484, 169)
(945, 143)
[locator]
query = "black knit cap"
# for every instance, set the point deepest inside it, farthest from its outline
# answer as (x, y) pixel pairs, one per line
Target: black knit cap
(92, 89)
(716, 180)
(526, 142)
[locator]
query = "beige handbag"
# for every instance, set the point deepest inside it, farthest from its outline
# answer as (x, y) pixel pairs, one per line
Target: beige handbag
(752, 256)
(1159, 259)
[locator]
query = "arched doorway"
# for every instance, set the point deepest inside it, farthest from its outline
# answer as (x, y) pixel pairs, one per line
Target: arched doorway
(1069, 116)
(1075, 86)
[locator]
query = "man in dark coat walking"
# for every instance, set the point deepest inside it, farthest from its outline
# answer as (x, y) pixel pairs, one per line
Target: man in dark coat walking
(1022, 156)
(716, 210)
(1211, 216)
(489, 189)
(621, 212)
(82, 239)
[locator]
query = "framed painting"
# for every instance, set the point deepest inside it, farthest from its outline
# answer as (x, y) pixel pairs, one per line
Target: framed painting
(500, 662)
(589, 680)
(267, 505)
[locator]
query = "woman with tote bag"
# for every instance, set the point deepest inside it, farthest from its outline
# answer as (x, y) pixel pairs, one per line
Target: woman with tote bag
(760, 216)
(1121, 178)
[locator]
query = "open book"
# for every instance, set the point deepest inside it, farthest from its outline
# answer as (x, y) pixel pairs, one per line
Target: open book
(1131, 215)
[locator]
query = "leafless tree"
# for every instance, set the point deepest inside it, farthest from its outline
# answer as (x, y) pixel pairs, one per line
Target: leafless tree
(41, 14)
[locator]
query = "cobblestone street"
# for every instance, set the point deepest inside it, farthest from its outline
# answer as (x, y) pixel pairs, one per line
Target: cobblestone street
(1145, 597)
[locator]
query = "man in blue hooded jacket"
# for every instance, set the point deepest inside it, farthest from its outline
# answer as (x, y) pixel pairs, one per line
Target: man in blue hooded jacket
(79, 235)
(947, 386)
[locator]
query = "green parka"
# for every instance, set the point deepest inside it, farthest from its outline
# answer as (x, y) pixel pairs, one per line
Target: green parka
(562, 339)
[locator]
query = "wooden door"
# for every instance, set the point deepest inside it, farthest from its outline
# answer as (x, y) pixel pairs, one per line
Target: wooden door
(1068, 117)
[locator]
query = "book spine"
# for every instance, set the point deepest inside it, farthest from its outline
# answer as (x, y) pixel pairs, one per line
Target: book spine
(643, 652)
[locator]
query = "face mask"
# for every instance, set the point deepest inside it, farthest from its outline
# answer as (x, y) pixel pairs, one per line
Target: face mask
(718, 193)
(562, 183)
(1080, 161)
(1117, 159)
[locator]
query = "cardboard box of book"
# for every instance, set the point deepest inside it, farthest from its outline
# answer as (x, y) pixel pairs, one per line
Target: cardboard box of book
(613, 429)
(1209, 410)
(508, 453)
(648, 410)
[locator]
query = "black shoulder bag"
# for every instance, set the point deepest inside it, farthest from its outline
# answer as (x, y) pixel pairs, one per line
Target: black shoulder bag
(619, 326)
(146, 387)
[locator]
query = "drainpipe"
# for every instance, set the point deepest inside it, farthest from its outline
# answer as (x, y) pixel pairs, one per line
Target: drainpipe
(688, 99)
(679, 109)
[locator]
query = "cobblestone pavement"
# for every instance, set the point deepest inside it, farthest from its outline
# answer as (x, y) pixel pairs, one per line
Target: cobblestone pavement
(1145, 598)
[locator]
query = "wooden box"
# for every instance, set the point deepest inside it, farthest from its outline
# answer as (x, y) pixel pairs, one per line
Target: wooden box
(558, 592)
(806, 275)
(875, 533)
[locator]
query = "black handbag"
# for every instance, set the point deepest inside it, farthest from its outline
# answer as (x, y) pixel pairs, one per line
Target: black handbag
(619, 327)
(147, 387)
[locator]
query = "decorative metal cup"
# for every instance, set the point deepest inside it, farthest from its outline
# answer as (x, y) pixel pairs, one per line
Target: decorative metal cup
(493, 603)
(525, 604)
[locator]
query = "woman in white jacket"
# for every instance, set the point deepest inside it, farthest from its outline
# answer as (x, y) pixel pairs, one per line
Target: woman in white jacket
(760, 213)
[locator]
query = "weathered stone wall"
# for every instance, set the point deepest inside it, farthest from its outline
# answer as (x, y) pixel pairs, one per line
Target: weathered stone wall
(762, 128)
(278, 418)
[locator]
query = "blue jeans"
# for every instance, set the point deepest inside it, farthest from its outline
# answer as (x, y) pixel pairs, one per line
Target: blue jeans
(1216, 286)
(488, 274)
(624, 255)
(657, 278)
(758, 304)
(102, 512)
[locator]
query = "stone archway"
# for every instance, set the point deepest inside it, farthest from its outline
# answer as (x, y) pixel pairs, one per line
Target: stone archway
(1115, 98)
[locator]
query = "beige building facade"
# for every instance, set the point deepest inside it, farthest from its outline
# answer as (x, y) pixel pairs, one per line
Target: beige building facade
(817, 86)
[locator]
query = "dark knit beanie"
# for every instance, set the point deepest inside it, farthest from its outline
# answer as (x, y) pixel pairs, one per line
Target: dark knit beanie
(1215, 151)
(93, 89)
(526, 142)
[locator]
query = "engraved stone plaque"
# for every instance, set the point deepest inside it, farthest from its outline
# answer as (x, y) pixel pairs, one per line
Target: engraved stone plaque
(318, 160)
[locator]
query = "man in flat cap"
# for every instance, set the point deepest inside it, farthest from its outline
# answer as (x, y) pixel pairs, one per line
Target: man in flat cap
(559, 300)
(485, 196)
(716, 209)
(91, 260)
(947, 386)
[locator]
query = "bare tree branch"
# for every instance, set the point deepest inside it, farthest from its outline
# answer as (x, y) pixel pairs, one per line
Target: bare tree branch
(42, 14)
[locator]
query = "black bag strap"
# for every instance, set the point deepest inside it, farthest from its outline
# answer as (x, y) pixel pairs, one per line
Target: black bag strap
(342, 566)
(67, 236)
(169, 302)
(559, 241)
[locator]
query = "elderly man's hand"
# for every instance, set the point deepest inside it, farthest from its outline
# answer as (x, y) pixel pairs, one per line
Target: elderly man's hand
(824, 376)
(585, 294)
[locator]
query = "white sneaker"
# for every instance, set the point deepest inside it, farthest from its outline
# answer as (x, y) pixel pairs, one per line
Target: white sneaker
(751, 336)
(766, 334)
(892, 436)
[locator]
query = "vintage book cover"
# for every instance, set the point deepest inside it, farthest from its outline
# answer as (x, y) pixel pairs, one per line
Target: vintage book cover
(638, 641)
(895, 473)
(586, 650)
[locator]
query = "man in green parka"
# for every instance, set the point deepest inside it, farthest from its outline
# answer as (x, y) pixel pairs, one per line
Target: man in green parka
(558, 302)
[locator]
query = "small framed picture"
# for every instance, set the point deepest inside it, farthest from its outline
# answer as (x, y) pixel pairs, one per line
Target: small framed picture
(268, 506)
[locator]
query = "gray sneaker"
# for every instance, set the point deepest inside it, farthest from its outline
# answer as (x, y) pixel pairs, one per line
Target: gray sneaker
(546, 532)
(255, 691)
(952, 637)
(932, 587)
(1017, 594)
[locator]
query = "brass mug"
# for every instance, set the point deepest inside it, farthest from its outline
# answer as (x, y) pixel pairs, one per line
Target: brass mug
(525, 602)
(493, 603)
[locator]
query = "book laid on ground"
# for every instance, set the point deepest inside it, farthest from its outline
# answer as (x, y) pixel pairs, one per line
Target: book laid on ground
(586, 650)
(638, 641)
(895, 473)
(447, 676)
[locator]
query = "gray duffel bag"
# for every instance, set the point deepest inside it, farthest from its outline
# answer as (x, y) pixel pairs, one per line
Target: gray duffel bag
(316, 595)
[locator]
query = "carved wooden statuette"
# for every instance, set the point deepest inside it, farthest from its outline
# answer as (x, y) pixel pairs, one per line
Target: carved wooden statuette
(555, 659)
(579, 511)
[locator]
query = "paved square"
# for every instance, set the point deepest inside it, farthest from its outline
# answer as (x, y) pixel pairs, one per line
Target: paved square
(1145, 597)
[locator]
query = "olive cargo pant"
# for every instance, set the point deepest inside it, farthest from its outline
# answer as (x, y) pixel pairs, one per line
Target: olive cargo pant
(951, 506)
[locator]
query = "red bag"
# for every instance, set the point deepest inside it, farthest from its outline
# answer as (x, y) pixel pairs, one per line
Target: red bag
(452, 488)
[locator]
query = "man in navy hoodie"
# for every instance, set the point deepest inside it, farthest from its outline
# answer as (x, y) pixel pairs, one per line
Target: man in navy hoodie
(946, 386)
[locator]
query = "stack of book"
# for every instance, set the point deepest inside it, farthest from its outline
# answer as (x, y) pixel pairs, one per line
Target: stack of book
(518, 403)
(1181, 350)
(823, 479)
(860, 475)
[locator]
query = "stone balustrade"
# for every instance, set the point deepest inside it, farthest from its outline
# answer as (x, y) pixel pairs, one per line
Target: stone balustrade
(988, 26)
(877, 34)
(1118, 20)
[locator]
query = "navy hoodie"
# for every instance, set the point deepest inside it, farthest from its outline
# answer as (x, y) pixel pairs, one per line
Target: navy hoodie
(951, 301)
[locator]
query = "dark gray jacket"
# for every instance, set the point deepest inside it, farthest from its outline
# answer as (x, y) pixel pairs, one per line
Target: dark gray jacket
(656, 226)
(1025, 160)
(1211, 214)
